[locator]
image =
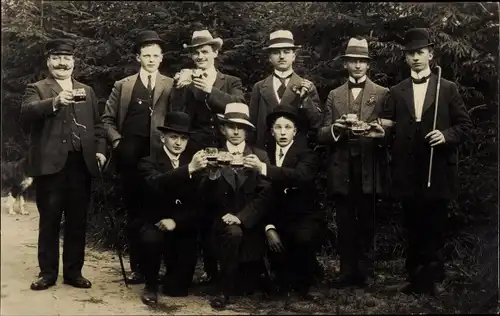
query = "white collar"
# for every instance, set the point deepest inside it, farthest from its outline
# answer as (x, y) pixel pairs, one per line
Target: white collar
(361, 80)
(231, 148)
(67, 80)
(283, 74)
(284, 149)
(170, 155)
(424, 73)
(211, 71)
(144, 75)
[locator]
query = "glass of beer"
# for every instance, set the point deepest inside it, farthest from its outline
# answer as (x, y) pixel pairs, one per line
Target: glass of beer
(237, 161)
(212, 153)
(79, 95)
(224, 158)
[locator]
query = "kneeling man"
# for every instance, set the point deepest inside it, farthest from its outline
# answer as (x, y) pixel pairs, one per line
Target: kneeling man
(171, 213)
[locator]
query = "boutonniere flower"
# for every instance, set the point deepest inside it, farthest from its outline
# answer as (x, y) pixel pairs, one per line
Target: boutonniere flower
(371, 100)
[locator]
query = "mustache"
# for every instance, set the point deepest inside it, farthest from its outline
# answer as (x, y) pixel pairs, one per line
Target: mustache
(62, 67)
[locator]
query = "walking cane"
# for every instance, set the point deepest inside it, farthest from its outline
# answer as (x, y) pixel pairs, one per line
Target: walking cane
(434, 123)
(113, 226)
(374, 189)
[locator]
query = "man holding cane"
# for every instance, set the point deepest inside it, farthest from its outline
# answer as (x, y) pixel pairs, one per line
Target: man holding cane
(67, 146)
(413, 106)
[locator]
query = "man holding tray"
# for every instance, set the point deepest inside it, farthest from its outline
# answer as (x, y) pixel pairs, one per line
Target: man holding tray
(349, 128)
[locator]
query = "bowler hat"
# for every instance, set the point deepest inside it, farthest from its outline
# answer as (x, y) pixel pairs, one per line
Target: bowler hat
(204, 37)
(236, 112)
(281, 39)
(178, 122)
(357, 48)
(148, 37)
(60, 46)
(287, 111)
(416, 38)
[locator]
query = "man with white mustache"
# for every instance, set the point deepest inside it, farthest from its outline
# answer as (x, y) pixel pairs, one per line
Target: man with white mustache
(67, 147)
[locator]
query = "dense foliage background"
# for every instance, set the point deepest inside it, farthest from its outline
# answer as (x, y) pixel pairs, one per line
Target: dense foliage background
(466, 42)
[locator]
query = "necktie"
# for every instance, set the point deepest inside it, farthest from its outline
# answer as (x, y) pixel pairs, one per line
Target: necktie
(356, 85)
(175, 163)
(281, 154)
(421, 80)
(150, 89)
(282, 87)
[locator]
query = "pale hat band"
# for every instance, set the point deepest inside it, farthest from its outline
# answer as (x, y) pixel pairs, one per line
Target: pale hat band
(236, 117)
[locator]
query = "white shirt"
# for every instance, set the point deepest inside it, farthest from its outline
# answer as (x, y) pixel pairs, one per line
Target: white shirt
(279, 161)
(355, 91)
(143, 74)
(277, 82)
(232, 149)
(173, 158)
(419, 91)
(66, 84)
(211, 75)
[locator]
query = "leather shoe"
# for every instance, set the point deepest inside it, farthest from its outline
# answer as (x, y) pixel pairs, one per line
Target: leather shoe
(135, 278)
(150, 296)
(219, 302)
(42, 283)
(79, 282)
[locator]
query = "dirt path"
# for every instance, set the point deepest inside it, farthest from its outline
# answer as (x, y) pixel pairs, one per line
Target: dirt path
(108, 295)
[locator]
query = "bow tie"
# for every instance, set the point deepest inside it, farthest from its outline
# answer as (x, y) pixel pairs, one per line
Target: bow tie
(421, 80)
(356, 85)
(235, 153)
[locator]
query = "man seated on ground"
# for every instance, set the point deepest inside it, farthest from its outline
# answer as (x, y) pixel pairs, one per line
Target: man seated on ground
(171, 215)
(240, 197)
(295, 226)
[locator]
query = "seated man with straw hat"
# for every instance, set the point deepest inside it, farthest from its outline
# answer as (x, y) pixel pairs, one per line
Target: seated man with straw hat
(203, 92)
(239, 196)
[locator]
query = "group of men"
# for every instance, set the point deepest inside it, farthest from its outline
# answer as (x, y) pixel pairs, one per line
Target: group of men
(162, 130)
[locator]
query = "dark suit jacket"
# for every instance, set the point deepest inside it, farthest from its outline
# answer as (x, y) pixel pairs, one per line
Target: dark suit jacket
(48, 149)
(119, 100)
(171, 193)
(263, 102)
(202, 106)
(452, 120)
(337, 104)
(249, 199)
(293, 184)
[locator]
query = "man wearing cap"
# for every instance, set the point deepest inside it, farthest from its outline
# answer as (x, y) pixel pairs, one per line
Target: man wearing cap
(284, 86)
(67, 148)
(136, 106)
(204, 92)
(171, 214)
(351, 177)
(411, 104)
(294, 227)
(240, 197)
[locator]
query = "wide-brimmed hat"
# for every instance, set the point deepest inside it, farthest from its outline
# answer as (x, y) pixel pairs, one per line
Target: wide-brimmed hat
(357, 48)
(287, 111)
(178, 122)
(148, 37)
(236, 112)
(204, 37)
(60, 46)
(416, 38)
(281, 39)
